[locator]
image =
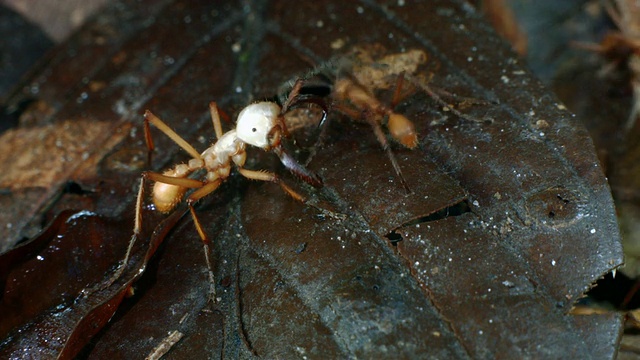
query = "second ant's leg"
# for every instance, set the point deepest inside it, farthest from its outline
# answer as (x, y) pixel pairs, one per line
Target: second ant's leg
(295, 91)
(293, 94)
(635, 109)
(437, 98)
(271, 177)
(206, 242)
(382, 139)
(397, 93)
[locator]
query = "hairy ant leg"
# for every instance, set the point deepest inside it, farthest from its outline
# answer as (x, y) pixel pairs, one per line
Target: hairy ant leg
(437, 98)
(398, 95)
(168, 190)
(215, 119)
(271, 177)
(382, 139)
(137, 228)
(206, 242)
(149, 117)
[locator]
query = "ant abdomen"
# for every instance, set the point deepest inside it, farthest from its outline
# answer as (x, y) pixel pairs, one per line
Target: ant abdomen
(167, 196)
(403, 130)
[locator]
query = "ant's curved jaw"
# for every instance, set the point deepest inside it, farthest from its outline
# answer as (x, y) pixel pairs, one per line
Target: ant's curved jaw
(312, 99)
(296, 168)
(274, 138)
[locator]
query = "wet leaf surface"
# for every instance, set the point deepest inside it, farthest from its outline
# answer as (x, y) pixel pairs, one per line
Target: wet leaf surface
(508, 222)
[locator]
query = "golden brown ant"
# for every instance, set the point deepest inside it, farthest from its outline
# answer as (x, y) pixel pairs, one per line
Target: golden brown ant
(353, 80)
(259, 124)
(348, 90)
(355, 100)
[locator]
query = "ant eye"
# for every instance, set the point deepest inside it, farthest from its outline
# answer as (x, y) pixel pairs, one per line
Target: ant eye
(254, 129)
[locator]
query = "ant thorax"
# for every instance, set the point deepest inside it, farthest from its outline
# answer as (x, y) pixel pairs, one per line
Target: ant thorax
(228, 147)
(256, 121)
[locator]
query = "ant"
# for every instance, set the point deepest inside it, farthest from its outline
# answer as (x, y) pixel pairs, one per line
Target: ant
(353, 81)
(347, 89)
(353, 99)
(259, 124)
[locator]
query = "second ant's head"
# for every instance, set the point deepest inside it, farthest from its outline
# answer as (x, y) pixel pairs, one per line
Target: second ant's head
(256, 122)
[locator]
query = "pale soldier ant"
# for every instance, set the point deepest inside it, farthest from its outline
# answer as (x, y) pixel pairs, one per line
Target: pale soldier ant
(259, 124)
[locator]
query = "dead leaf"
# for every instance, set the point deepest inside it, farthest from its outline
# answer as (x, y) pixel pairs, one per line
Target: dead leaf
(508, 223)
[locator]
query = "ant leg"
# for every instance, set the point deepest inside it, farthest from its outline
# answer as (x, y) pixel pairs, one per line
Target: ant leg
(170, 180)
(271, 177)
(382, 139)
(348, 111)
(215, 117)
(148, 140)
(397, 93)
(293, 94)
(426, 88)
(635, 109)
(137, 228)
(296, 169)
(614, 14)
(150, 117)
(205, 190)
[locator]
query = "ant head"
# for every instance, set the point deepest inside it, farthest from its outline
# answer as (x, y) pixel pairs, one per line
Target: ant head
(255, 123)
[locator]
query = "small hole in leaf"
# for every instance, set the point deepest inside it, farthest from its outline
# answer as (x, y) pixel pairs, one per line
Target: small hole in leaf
(10, 115)
(72, 187)
(301, 248)
(457, 209)
(394, 238)
(225, 281)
